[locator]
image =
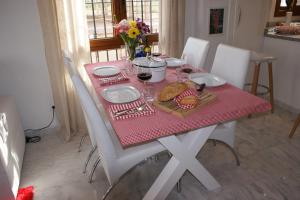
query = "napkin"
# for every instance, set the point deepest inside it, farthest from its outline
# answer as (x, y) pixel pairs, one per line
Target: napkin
(188, 92)
(148, 110)
(119, 78)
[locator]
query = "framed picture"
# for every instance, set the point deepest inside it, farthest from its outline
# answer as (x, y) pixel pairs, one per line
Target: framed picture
(216, 20)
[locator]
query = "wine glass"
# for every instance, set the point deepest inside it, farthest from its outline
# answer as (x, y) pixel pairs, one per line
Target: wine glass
(184, 70)
(128, 69)
(144, 74)
(155, 50)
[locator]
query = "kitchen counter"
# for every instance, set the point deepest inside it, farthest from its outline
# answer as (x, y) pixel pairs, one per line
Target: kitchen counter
(283, 37)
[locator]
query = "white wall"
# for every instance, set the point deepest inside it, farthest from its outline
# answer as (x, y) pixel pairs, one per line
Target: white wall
(197, 20)
(23, 68)
(248, 33)
(255, 13)
(245, 33)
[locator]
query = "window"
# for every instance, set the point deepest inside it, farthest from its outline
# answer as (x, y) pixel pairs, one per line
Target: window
(282, 6)
(105, 44)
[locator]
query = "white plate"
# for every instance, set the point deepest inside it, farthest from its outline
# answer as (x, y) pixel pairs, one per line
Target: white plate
(175, 62)
(109, 70)
(120, 94)
(210, 80)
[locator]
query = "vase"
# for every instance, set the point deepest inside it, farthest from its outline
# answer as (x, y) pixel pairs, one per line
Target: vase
(130, 51)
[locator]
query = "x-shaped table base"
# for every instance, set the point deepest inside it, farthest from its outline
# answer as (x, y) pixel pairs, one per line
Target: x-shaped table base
(184, 149)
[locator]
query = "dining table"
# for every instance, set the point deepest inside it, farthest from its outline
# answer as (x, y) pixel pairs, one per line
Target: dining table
(183, 137)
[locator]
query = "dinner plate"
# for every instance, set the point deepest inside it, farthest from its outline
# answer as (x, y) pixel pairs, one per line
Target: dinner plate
(108, 70)
(210, 80)
(175, 62)
(120, 94)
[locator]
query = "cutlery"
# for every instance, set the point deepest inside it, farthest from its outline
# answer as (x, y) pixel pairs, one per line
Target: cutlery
(131, 110)
(200, 87)
(110, 78)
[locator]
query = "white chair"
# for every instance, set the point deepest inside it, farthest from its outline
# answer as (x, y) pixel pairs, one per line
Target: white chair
(72, 71)
(195, 51)
(115, 160)
(69, 65)
(231, 64)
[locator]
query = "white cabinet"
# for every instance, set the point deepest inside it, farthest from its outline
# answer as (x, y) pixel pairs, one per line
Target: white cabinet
(286, 70)
(12, 147)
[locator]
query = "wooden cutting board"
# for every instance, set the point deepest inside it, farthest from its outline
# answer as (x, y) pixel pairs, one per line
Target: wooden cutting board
(172, 107)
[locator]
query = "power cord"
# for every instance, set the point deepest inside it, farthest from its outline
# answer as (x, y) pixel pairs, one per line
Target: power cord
(36, 138)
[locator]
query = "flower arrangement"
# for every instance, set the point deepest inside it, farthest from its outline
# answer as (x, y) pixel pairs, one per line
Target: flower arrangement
(132, 33)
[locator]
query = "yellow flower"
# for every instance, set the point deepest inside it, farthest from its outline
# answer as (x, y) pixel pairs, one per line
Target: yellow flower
(133, 32)
(132, 24)
(147, 49)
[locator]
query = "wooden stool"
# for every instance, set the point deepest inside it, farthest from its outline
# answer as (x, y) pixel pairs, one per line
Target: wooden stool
(258, 59)
(296, 124)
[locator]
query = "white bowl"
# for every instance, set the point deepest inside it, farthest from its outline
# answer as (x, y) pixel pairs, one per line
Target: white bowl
(157, 66)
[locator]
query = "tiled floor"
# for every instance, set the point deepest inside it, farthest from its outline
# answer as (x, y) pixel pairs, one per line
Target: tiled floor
(270, 167)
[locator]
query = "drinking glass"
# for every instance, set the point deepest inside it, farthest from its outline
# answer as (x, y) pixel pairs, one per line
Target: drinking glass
(128, 68)
(144, 74)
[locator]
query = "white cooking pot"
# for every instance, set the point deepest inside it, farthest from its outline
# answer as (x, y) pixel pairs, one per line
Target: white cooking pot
(158, 67)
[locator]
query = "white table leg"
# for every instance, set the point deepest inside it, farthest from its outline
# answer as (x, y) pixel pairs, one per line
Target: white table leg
(184, 152)
(166, 180)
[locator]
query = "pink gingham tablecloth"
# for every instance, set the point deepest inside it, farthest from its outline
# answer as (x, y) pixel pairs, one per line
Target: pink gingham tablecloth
(231, 104)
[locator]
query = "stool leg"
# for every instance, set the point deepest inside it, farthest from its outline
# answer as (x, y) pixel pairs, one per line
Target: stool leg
(296, 124)
(271, 85)
(255, 79)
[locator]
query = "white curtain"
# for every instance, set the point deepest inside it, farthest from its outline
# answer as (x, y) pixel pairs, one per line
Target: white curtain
(171, 32)
(64, 28)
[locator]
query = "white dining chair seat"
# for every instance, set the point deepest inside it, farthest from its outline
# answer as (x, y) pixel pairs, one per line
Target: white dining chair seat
(125, 153)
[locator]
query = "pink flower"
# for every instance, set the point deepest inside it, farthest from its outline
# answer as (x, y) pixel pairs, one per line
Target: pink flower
(123, 26)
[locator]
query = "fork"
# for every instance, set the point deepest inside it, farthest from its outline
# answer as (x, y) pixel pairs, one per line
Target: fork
(126, 111)
(110, 78)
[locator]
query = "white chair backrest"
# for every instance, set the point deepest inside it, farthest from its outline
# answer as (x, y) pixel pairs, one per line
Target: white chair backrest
(231, 64)
(69, 63)
(195, 51)
(103, 139)
(71, 70)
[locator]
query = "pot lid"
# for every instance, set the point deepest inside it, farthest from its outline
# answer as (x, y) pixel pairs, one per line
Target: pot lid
(151, 62)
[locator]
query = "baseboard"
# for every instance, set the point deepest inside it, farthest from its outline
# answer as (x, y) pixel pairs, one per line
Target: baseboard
(287, 107)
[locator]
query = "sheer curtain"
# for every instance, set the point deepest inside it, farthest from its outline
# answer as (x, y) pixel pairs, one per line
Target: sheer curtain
(171, 27)
(64, 28)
